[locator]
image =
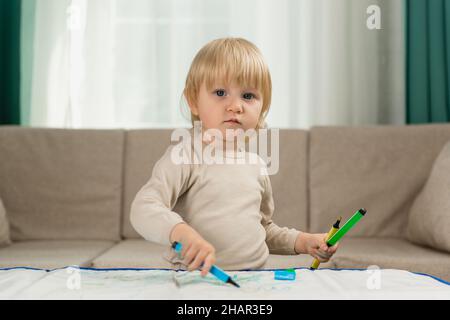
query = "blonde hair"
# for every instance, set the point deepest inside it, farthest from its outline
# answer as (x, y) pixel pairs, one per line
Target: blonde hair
(229, 59)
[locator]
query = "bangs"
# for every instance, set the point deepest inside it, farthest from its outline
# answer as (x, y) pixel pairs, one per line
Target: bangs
(237, 67)
(235, 60)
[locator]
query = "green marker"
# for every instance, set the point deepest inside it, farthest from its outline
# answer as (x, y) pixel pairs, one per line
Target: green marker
(346, 227)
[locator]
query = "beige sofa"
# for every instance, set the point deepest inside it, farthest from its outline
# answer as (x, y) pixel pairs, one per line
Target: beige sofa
(67, 194)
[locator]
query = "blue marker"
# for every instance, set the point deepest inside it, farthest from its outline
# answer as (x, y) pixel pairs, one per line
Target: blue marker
(215, 270)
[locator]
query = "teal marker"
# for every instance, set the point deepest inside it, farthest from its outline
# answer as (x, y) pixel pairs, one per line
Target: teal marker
(215, 270)
(346, 227)
(288, 274)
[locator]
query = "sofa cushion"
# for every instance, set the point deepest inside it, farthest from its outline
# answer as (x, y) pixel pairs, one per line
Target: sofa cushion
(145, 147)
(62, 184)
(380, 168)
(392, 253)
(134, 253)
(276, 261)
(4, 227)
(50, 254)
(429, 218)
(139, 253)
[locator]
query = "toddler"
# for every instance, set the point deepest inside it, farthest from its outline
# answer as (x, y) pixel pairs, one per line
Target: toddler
(221, 213)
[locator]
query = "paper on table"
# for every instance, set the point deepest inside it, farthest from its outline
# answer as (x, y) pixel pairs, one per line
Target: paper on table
(158, 284)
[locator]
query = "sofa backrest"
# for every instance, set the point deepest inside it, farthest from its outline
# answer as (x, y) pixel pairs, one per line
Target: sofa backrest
(61, 184)
(79, 184)
(380, 168)
(145, 147)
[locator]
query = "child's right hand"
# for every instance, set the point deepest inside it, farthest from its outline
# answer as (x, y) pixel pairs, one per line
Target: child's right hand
(196, 251)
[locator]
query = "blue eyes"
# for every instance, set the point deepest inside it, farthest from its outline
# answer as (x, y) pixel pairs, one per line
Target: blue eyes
(220, 93)
(247, 96)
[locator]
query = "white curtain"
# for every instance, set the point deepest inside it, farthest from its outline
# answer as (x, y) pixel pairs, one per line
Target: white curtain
(122, 64)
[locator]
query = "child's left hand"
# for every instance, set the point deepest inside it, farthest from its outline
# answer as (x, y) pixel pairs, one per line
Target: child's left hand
(315, 245)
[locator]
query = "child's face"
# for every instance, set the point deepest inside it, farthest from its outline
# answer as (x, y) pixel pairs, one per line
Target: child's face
(217, 106)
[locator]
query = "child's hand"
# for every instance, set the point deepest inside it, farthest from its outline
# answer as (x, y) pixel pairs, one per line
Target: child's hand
(196, 250)
(315, 245)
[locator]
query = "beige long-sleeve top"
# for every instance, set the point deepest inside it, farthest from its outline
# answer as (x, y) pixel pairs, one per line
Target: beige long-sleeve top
(230, 205)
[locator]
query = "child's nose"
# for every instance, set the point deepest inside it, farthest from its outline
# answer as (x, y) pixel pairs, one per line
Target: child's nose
(236, 107)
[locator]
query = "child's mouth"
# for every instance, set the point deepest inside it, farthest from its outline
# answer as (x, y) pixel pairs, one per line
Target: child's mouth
(232, 121)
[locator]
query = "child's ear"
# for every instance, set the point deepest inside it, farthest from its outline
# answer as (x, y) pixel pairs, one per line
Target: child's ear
(192, 106)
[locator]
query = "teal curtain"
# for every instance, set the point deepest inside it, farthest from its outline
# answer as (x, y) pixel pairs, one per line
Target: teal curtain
(428, 61)
(10, 61)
